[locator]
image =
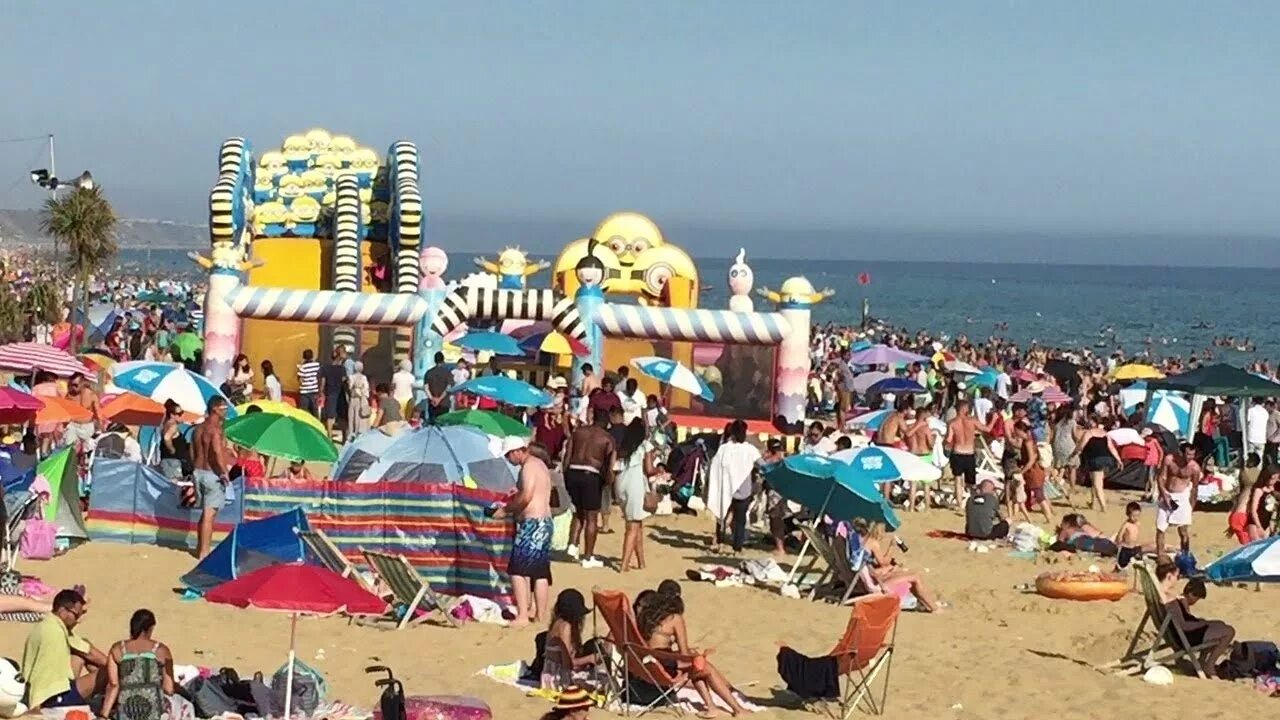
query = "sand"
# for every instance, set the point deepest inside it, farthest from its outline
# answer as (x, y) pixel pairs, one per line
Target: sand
(997, 653)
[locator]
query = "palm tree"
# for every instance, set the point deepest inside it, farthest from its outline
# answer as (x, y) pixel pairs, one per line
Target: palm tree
(84, 222)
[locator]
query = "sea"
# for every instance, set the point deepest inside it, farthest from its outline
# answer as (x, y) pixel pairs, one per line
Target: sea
(1172, 310)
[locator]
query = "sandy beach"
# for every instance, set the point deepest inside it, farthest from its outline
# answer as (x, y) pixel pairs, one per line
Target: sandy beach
(998, 653)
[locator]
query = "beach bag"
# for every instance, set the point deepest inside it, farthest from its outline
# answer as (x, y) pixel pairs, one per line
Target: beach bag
(1250, 659)
(308, 687)
(209, 697)
(651, 499)
(39, 539)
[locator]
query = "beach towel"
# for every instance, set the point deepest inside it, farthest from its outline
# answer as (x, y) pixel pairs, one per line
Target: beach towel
(809, 677)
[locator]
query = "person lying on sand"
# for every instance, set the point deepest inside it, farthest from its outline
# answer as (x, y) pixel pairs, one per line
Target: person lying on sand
(661, 622)
(1077, 534)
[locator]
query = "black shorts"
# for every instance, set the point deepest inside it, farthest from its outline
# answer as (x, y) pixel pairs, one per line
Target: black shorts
(1101, 463)
(1128, 555)
(964, 465)
(330, 411)
(585, 488)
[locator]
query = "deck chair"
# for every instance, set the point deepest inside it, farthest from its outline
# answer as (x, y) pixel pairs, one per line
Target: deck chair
(332, 559)
(987, 460)
(821, 551)
(866, 649)
(1168, 646)
(408, 588)
(856, 579)
(641, 668)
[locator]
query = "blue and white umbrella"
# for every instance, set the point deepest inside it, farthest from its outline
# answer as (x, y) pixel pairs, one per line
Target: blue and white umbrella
(504, 390)
(896, 385)
(676, 375)
(1259, 561)
(885, 464)
(870, 420)
(1171, 412)
(164, 381)
(489, 341)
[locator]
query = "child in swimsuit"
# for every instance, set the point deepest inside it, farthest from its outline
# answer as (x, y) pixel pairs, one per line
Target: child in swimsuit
(1127, 539)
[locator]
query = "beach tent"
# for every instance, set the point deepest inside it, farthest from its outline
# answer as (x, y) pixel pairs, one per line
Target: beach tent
(63, 507)
(1215, 381)
(133, 503)
(453, 455)
(250, 546)
(361, 454)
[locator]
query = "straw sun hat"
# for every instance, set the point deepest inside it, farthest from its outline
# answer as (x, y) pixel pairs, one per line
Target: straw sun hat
(574, 698)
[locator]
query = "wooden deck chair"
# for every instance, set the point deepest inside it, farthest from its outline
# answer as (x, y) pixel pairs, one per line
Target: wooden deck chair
(857, 580)
(821, 551)
(408, 587)
(332, 559)
(1169, 644)
(864, 651)
(639, 663)
(987, 460)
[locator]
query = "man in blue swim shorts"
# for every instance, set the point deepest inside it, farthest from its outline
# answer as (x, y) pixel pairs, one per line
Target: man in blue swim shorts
(530, 563)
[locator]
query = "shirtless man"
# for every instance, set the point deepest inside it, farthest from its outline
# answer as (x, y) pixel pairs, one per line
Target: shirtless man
(919, 441)
(78, 391)
(962, 432)
(589, 457)
(893, 430)
(530, 563)
(590, 383)
(212, 464)
(1178, 479)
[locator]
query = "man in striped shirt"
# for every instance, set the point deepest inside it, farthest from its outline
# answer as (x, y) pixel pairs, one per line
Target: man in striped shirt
(308, 383)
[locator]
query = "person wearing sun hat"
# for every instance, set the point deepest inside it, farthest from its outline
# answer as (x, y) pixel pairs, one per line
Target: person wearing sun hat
(573, 704)
(530, 563)
(1038, 418)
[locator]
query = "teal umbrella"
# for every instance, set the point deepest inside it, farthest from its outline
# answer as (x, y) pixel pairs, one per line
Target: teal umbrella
(831, 488)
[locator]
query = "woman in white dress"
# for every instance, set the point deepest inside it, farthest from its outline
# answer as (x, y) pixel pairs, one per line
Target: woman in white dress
(631, 487)
(359, 409)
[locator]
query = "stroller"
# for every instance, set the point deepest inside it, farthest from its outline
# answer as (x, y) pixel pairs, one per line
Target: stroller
(688, 463)
(19, 505)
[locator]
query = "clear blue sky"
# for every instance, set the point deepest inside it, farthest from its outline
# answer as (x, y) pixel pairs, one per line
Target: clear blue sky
(1131, 117)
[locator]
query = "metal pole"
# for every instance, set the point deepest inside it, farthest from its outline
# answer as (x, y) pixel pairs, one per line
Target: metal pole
(53, 169)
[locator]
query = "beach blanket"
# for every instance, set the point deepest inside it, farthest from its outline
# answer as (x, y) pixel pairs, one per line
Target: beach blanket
(687, 699)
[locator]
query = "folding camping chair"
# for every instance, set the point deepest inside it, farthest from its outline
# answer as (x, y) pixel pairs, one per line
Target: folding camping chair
(642, 668)
(865, 649)
(408, 587)
(14, 521)
(332, 559)
(1170, 643)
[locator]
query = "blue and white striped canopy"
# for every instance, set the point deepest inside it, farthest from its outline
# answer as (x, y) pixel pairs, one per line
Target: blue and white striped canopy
(165, 381)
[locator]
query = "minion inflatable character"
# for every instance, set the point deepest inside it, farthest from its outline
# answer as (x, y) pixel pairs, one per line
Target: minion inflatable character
(796, 293)
(272, 164)
(314, 184)
(364, 163)
(269, 219)
(290, 188)
(303, 214)
(341, 146)
(638, 259)
(318, 141)
(264, 187)
(513, 268)
(297, 152)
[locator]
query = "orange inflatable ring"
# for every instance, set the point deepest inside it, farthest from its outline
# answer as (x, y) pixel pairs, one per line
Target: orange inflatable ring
(1082, 586)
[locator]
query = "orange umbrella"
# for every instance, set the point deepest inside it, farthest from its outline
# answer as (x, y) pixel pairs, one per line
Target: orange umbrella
(129, 408)
(62, 410)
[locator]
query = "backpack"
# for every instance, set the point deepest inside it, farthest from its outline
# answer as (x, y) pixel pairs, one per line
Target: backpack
(309, 687)
(1249, 660)
(209, 697)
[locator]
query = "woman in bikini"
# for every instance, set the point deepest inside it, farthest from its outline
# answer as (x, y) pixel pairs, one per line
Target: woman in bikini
(661, 622)
(885, 569)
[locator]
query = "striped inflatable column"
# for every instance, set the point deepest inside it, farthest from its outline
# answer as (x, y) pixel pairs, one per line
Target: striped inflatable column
(406, 218)
(793, 363)
(718, 326)
(327, 306)
(346, 251)
(588, 300)
(227, 222)
(427, 342)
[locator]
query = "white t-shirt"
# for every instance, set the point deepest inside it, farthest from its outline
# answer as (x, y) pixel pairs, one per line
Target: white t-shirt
(981, 408)
(734, 463)
(272, 385)
(632, 406)
(402, 386)
(1257, 424)
(1002, 385)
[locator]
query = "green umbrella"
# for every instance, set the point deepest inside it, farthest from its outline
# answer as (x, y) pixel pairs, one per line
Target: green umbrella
(486, 421)
(281, 436)
(185, 344)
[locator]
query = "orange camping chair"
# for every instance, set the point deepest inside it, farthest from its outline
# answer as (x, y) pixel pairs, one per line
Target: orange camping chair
(640, 664)
(866, 649)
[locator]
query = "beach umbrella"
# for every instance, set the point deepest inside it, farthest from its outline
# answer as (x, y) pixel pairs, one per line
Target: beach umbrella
(129, 408)
(297, 590)
(1136, 371)
(504, 390)
(961, 367)
(885, 355)
(867, 379)
(62, 410)
(1051, 396)
(282, 408)
(987, 378)
(861, 345)
(164, 381)
(281, 436)
(674, 374)
(458, 455)
(489, 341)
(25, 358)
(896, 385)
(1259, 561)
(870, 420)
(886, 464)
(548, 341)
(18, 407)
(1170, 412)
(97, 360)
(186, 344)
(487, 421)
(817, 483)
(1023, 375)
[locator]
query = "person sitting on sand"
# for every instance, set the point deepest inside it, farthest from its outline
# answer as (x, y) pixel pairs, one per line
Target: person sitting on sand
(661, 623)
(1217, 635)
(982, 519)
(564, 654)
(574, 703)
(1077, 534)
(885, 569)
(139, 673)
(62, 669)
(1128, 538)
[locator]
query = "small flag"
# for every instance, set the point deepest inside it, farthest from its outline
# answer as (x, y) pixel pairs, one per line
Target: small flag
(864, 278)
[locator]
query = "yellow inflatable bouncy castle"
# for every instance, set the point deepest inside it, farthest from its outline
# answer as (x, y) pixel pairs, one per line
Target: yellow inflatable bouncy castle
(321, 212)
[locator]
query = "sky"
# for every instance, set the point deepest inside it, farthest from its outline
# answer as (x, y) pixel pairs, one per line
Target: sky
(954, 119)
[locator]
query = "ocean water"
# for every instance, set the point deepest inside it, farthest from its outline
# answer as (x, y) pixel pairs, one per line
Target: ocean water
(1058, 305)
